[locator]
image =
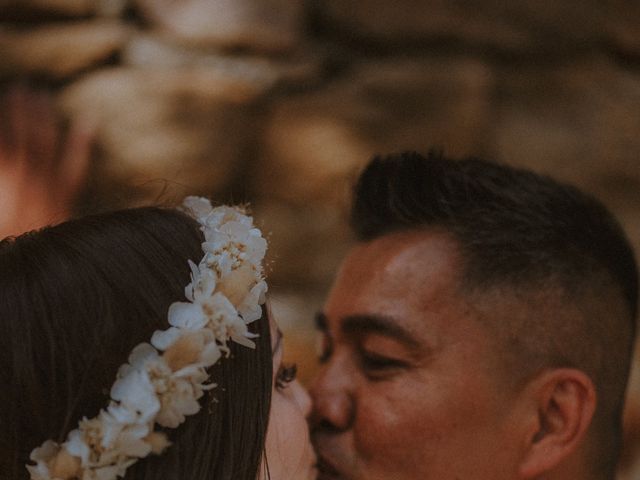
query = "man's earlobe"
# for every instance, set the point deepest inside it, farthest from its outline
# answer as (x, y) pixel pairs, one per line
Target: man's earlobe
(565, 400)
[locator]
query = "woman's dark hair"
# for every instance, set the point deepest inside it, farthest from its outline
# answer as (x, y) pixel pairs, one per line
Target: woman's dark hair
(74, 301)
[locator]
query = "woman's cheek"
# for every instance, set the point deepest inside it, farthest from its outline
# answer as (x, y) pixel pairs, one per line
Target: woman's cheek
(289, 449)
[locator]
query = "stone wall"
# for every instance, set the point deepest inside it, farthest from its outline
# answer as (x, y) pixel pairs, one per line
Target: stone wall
(279, 102)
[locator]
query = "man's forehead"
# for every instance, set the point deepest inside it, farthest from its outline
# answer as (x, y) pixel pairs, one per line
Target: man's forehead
(404, 257)
(409, 278)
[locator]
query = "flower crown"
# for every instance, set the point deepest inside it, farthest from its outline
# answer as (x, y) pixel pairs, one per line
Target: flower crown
(163, 380)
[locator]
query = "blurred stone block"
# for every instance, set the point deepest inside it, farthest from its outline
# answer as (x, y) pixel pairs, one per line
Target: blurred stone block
(295, 311)
(59, 50)
(75, 8)
(512, 26)
(578, 123)
(110, 8)
(189, 128)
(624, 26)
(264, 25)
(315, 143)
(162, 51)
(306, 244)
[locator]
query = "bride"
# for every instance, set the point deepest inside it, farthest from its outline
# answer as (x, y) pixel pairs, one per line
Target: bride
(111, 368)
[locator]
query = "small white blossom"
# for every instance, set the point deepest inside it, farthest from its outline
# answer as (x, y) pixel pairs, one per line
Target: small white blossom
(203, 282)
(102, 442)
(224, 215)
(149, 383)
(42, 456)
(179, 396)
(216, 313)
(197, 207)
(203, 351)
(250, 308)
(233, 245)
(134, 388)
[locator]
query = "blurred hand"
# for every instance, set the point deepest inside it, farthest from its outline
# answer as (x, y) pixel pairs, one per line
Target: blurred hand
(41, 171)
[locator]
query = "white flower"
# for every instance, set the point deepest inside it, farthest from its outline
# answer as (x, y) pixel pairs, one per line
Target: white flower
(233, 245)
(197, 207)
(203, 282)
(250, 308)
(237, 284)
(236, 235)
(224, 214)
(42, 456)
(134, 388)
(179, 396)
(109, 472)
(216, 313)
(182, 347)
(163, 339)
(102, 442)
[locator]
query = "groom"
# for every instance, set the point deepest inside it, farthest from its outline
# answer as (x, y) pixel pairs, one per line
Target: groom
(481, 329)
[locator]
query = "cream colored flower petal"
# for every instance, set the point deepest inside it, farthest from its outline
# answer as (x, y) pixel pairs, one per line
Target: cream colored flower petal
(121, 414)
(106, 473)
(197, 207)
(250, 309)
(216, 244)
(64, 465)
(163, 339)
(256, 247)
(132, 442)
(45, 452)
(210, 355)
(237, 284)
(42, 455)
(239, 231)
(174, 416)
(204, 284)
(158, 441)
(224, 214)
(141, 354)
(136, 392)
(187, 315)
(38, 472)
(244, 341)
(77, 447)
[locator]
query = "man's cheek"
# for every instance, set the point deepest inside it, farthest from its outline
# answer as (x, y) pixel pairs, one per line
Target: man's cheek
(387, 427)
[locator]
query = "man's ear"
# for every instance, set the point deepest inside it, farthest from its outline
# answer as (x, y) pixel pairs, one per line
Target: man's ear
(562, 405)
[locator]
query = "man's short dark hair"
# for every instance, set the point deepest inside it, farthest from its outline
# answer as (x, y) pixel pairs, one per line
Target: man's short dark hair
(528, 236)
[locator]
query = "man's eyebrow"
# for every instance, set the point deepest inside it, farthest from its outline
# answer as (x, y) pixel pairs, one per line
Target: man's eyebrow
(378, 324)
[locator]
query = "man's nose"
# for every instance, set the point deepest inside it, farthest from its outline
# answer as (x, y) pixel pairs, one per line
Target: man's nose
(332, 396)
